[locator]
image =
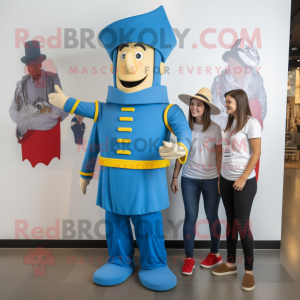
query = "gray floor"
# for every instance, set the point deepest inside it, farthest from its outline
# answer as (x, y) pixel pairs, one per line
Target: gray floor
(277, 272)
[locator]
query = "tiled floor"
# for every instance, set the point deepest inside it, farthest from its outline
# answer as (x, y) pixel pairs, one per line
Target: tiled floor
(293, 163)
(277, 272)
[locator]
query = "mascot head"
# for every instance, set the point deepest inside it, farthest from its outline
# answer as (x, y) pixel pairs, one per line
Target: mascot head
(138, 47)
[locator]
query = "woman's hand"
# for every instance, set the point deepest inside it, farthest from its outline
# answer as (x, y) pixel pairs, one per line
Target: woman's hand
(174, 185)
(239, 184)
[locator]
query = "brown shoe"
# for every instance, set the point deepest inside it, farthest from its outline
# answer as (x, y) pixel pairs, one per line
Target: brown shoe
(248, 284)
(224, 270)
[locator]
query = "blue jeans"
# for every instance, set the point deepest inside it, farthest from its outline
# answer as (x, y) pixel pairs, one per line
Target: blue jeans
(191, 192)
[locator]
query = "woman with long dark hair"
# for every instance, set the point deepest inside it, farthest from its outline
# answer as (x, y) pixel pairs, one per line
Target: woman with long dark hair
(200, 175)
(241, 146)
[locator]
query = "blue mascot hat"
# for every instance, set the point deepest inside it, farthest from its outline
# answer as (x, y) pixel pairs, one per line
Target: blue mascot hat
(152, 29)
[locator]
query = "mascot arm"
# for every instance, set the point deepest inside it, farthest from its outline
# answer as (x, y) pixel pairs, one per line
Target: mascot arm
(176, 122)
(71, 105)
(85, 109)
(91, 154)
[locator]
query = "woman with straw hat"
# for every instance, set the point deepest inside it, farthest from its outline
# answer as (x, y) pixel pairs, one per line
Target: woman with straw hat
(201, 175)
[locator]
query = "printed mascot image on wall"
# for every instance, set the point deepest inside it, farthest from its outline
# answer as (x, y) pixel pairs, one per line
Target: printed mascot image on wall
(137, 119)
(38, 122)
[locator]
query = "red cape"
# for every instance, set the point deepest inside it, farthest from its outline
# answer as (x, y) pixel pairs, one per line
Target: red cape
(41, 146)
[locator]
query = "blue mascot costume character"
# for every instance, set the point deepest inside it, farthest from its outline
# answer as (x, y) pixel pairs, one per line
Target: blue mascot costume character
(131, 132)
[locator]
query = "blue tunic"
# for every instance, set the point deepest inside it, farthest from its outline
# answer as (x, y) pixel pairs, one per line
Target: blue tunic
(131, 189)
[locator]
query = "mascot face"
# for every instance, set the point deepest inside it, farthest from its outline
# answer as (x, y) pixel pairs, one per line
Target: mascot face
(135, 64)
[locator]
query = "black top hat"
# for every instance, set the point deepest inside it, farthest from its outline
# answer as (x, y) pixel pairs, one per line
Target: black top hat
(33, 53)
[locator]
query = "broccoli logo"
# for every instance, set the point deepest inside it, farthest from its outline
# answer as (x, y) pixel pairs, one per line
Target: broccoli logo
(39, 258)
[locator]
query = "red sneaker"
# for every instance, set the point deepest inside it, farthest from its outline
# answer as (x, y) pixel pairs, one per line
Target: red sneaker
(189, 265)
(211, 260)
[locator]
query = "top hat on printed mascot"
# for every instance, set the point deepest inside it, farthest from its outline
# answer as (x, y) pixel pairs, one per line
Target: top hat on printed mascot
(33, 54)
(32, 58)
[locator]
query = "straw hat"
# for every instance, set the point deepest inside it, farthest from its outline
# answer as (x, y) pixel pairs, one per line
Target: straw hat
(204, 95)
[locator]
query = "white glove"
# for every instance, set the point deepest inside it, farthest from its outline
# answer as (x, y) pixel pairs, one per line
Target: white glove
(58, 99)
(171, 151)
(83, 184)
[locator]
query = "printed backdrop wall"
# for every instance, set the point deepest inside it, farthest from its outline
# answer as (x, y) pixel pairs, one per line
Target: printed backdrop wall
(49, 197)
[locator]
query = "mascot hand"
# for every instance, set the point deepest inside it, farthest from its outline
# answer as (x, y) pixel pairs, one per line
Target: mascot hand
(171, 151)
(83, 184)
(58, 99)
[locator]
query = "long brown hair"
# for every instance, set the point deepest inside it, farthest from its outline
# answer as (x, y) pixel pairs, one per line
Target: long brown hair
(242, 109)
(205, 117)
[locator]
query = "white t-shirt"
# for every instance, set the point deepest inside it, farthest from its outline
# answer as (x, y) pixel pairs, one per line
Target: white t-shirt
(201, 162)
(240, 149)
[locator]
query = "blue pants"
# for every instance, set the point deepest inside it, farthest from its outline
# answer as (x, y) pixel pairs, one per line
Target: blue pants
(149, 237)
(191, 192)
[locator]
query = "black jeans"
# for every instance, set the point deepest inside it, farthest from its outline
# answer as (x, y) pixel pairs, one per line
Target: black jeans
(238, 207)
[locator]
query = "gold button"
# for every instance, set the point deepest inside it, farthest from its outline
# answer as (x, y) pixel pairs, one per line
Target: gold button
(123, 152)
(125, 129)
(127, 109)
(123, 141)
(126, 119)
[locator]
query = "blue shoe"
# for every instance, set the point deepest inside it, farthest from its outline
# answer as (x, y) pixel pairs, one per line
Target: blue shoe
(159, 279)
(111, 274)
